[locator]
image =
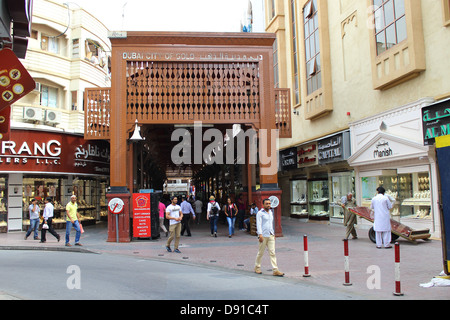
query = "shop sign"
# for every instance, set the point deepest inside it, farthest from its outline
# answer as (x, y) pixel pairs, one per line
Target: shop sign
(288, 159)
(307, 155)
(141, 215)
(436, 121)
(334, 149)
(32, 151)
(15, 81)
(382, 150)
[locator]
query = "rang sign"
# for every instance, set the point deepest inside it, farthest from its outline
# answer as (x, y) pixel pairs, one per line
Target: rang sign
(31, 151)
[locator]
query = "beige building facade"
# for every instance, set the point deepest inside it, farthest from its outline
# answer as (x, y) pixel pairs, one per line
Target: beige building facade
(363, 69)
(46, 155)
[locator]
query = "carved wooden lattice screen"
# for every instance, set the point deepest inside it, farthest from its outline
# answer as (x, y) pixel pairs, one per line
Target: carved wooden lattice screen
(185, 92)
(97, 110)
(283, 112)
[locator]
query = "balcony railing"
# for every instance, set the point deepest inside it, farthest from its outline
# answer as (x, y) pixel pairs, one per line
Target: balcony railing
(97, 114)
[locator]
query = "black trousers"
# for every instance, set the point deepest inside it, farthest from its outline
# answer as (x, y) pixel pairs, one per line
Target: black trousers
(50, 229)
(185, 224)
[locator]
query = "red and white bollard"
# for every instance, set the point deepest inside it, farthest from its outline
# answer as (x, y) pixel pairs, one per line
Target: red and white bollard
(398, 291)
(306, 257)
(346, 264)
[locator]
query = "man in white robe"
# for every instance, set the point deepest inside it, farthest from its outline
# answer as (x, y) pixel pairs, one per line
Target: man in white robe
(382, 219)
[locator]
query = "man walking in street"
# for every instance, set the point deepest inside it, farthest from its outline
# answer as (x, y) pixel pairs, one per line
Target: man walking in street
(48, 217)
(266, 238)
(34, 211)
(186, 210)
(73, 219)
(382, 219)
(174, 215)
(198, 208)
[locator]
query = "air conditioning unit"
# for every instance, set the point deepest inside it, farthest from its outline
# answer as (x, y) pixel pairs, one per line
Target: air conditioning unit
(34, 114)
(52, 116)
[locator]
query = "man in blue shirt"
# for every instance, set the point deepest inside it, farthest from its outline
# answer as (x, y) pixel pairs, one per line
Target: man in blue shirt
(186, 209)
(266, 238)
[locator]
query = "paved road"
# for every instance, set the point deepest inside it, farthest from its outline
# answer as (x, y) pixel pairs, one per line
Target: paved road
(50, 275)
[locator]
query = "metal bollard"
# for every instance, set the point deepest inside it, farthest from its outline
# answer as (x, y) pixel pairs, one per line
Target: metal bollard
(398, 291)
(346, 264)
(306, 257)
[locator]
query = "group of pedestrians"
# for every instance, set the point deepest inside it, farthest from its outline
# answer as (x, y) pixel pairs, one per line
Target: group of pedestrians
(72, 220)
(176, 214)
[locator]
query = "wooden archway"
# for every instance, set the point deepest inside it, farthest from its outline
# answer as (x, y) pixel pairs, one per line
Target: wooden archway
(183, 78)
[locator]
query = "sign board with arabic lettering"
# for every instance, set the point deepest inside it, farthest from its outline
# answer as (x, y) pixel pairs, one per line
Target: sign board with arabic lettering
(307, 155)
(436, 121)
(335, 148)
(32, 151)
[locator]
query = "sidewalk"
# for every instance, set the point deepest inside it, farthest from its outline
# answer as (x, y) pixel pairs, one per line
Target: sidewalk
(419, 262)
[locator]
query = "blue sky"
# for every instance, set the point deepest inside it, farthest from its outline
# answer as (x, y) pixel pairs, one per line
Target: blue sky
(167, 15)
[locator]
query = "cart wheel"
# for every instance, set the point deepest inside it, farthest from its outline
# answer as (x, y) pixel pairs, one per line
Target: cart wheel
(372, 236)
(394, 237)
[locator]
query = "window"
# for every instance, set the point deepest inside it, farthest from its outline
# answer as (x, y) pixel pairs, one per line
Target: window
(295, 53)
(397, 45)
(74, 100)
(76, 48)
(50, 44)
(275, 64)
(49, 97)
(312, 47)
(95, 53)
(446, 10)
(390, 23)
(272, 12)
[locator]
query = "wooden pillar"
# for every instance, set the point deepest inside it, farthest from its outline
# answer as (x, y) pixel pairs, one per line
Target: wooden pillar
(119, 163)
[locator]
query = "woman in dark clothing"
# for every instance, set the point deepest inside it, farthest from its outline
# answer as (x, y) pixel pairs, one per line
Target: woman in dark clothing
(231, 212)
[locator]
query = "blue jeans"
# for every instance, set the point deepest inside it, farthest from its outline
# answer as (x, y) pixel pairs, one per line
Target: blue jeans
(34, 224)
(76, 226)
(231, 222)
(213, 222)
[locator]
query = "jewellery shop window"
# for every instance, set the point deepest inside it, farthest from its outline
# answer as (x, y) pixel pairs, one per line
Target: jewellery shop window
(342, 184)
(411, 193)
(40, 188)
(3, 205)
(299, 203)
(88, 196)
(318, 199)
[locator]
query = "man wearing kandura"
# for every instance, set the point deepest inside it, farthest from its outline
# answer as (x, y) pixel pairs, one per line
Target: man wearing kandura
(266, 238)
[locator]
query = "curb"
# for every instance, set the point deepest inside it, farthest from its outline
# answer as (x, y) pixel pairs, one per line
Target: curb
(65, 249)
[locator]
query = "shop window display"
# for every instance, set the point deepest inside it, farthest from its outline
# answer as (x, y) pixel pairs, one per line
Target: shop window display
(411, 193)
(299, 202)
(3, 205)
(91, 198)
(341, 185)
(318, 200)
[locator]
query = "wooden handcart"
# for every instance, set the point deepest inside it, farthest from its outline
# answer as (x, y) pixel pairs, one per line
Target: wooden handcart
(397, 229)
